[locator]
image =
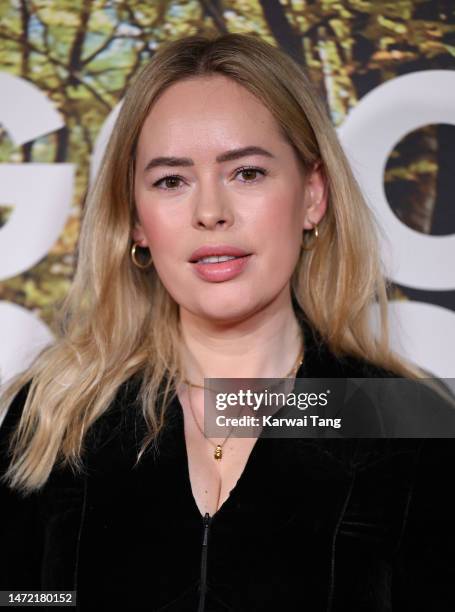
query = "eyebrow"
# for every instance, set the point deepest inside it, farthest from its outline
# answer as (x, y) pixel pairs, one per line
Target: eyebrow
(223, 157)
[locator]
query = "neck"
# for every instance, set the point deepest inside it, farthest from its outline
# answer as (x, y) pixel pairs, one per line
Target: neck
(264, 344)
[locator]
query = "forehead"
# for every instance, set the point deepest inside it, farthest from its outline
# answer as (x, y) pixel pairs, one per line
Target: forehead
(211, 109)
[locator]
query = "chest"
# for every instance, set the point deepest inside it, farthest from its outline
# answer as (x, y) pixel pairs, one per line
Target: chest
(289, 499)
(212, 480)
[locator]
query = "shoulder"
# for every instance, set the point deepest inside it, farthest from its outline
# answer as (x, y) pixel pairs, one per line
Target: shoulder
(10, 421)
(115, 424)
(321, 362)
(355, 367)
(15, 408)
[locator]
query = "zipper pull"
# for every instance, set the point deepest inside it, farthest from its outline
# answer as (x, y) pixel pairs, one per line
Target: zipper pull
(206, 528)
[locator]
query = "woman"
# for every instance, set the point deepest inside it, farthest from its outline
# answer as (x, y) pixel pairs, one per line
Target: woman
(221, 150)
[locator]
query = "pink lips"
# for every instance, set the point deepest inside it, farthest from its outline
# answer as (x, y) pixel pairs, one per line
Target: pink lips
(217, 249)
(222, 271)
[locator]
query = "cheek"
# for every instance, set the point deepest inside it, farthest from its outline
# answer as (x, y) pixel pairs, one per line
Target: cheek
(280, 226)
(158, 228)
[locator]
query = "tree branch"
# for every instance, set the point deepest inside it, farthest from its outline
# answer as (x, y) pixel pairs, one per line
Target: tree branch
(6, 36)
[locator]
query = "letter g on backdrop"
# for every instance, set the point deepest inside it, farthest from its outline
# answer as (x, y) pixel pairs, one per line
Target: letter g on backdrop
(425, 333)
(40, 196)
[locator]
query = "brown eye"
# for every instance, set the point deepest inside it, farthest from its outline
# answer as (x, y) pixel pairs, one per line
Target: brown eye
(171, 182)
(250, 174)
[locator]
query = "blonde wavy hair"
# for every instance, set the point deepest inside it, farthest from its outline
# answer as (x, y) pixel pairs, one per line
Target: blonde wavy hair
(118, 320)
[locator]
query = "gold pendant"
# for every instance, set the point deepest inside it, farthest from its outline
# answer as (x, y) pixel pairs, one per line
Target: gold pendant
(218, 452)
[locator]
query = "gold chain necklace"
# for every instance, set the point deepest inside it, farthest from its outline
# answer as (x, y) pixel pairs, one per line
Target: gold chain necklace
(218, 454)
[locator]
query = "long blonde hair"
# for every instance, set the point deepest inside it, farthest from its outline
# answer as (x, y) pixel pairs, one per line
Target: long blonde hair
(118, 321)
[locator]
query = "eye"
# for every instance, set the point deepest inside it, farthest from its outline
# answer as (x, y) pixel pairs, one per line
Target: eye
(167, 178)
(248, 170)
(171, 181)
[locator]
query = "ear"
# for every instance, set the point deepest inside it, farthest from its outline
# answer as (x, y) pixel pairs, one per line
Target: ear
(316, 196)
(139, 235)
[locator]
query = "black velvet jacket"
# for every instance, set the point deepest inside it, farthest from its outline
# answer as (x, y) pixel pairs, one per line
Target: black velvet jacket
(312, 524)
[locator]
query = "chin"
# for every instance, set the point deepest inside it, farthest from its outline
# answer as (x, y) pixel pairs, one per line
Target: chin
(227, 313)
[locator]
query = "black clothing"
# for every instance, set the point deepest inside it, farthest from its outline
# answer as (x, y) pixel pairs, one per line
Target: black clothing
(313, 525)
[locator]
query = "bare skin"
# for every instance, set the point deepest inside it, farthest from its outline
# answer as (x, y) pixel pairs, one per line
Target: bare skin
(244, 327)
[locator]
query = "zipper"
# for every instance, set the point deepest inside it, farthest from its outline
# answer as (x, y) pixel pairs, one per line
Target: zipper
(203, 582)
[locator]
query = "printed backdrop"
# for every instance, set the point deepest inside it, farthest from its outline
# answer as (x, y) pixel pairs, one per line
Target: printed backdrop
(386, 70)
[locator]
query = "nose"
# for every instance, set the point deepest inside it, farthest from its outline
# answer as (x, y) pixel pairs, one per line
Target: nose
(212, 209)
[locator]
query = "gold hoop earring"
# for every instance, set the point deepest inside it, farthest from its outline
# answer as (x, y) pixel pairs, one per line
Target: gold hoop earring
(315, 237)
(135, 261)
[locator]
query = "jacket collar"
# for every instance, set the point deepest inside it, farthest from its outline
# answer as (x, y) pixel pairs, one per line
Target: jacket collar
(319, 361)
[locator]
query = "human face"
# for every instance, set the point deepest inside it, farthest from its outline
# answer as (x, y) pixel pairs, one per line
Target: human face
(262, 210)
